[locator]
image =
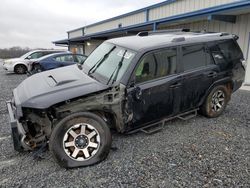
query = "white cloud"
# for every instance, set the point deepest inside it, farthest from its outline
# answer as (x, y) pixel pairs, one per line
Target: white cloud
(35, 23)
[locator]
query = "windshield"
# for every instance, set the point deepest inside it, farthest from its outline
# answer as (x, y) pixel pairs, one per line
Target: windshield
(105, 62)
(25, 55)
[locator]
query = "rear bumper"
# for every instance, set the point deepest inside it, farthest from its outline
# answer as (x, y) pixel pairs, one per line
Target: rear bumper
(18, 133)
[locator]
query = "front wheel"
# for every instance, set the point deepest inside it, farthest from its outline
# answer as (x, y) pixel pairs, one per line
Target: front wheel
(81, 139)
(216, 102)
(20, 69)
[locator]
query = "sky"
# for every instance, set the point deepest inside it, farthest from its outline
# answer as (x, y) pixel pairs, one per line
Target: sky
(36, 23)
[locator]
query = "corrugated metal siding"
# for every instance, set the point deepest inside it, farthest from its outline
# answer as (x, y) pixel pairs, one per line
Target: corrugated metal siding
(183, 6)
(77, 33)
(240, 28)
(126, 21)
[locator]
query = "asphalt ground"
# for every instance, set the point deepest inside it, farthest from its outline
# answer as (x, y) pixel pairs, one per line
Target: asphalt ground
(199, 152)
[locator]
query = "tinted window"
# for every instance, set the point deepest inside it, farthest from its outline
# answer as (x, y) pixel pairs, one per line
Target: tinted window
(166, 62)
(225, 51)
(193, 57)
(156, 65)
(65, 58)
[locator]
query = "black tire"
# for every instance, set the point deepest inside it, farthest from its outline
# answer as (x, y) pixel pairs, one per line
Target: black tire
(57, 142)
(208, 108)
(20, 69)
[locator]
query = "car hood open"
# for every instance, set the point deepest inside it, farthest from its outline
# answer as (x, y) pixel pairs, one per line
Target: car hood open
(45, 89)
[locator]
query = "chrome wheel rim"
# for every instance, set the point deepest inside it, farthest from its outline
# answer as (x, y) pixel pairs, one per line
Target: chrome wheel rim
(218, 101)
(81, 142)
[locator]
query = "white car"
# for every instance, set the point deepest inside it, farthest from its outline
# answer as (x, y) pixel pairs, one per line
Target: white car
(20, 65)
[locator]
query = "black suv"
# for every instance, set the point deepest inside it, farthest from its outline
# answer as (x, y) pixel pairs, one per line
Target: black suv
(127, 84)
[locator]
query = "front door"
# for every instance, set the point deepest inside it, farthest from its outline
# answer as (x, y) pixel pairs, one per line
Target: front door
(155, 93)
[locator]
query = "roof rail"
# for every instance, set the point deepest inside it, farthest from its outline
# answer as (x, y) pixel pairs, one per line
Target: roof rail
(178, 39)
(147, 33)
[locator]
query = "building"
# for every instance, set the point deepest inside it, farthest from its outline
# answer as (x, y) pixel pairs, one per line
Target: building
(232, 16)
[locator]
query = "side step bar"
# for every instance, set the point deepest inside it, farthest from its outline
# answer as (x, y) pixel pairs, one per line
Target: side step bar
(158, 126)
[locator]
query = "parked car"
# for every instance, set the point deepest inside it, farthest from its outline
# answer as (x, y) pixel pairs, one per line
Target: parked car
(53, 61)
(20, 65)
(128, 84)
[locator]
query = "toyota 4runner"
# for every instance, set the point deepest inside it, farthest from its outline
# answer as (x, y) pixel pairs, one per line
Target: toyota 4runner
(127, 84)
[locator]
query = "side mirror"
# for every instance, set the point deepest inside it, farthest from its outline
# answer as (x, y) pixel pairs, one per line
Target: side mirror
(132, 82)
(29, 57)
(138, 93)
(79, 65)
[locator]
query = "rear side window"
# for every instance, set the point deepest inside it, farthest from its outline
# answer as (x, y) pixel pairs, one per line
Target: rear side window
(225, 51)
(65, 58)
(156, 65)
(193, 57)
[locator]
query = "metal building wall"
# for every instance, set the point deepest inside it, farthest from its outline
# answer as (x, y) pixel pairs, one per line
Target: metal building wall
(76, 33)
(126, 21)
(183, 6)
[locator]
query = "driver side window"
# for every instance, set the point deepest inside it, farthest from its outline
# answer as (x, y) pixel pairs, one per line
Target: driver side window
(157, 64)
(146, 69)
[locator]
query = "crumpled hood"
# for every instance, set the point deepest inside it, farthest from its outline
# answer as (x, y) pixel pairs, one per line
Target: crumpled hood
(45, 89)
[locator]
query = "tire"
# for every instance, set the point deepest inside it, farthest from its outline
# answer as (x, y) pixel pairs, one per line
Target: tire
(20, 69)
(216, 102)
(69, 149)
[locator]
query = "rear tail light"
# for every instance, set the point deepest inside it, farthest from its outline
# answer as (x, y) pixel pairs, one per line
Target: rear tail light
(244, 63)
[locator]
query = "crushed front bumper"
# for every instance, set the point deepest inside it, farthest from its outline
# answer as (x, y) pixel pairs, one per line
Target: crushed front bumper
(18, 133)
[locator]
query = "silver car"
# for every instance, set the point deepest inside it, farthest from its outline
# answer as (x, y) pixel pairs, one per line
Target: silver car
(20, 65)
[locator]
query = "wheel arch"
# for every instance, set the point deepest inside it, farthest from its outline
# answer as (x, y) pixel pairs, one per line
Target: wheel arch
(20, 63)
(225, 82)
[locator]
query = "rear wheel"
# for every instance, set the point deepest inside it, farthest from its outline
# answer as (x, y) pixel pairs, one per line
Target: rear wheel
(216, 102)
(81, 139)
(20, 69)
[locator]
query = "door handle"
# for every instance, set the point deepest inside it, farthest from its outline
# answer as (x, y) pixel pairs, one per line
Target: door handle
(212, 74)
(175, 85)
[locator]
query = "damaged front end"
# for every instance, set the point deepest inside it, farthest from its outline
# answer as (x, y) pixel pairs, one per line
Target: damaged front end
(31, 128)
(30, 131)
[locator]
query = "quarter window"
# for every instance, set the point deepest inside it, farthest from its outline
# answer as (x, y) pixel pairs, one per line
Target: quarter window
(225, 51)
(156, 65)
(193, 57)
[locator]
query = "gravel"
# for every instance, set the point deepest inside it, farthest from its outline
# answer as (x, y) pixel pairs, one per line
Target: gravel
(199, 152)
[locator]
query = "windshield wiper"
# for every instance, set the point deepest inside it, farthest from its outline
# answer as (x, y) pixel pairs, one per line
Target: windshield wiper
(98, 63)
(117, 69)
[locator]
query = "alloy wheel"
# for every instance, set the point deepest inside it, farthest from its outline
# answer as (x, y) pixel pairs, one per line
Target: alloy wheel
(218, 100)
(81, 142)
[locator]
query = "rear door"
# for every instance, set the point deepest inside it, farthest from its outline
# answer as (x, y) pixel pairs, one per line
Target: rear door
(155, 93)
(198, 74)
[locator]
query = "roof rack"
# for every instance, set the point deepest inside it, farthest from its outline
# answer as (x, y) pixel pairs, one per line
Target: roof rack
(178, 39)
(147, 33)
